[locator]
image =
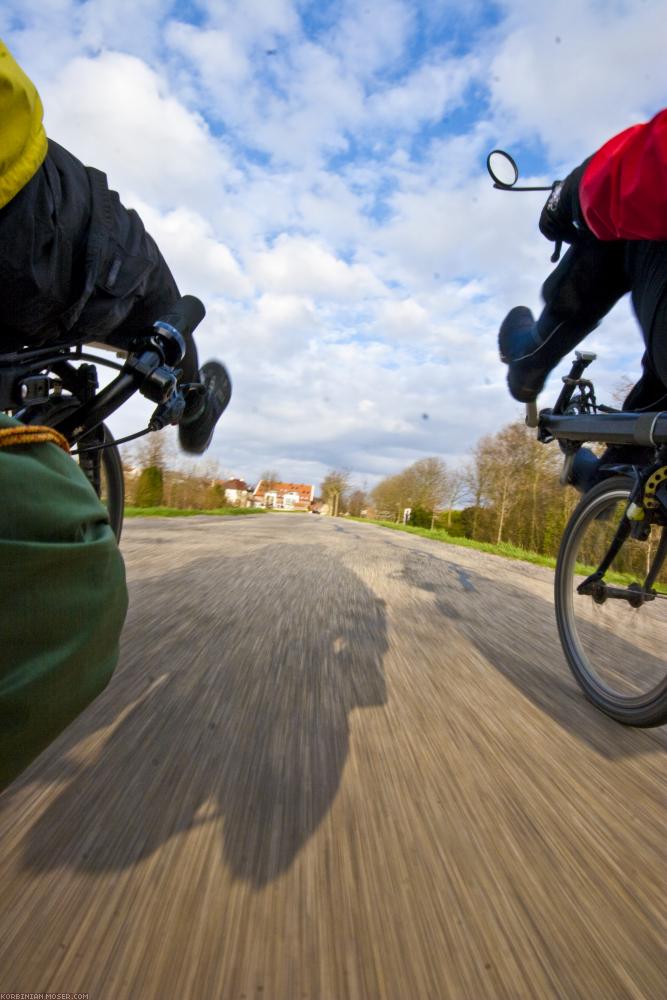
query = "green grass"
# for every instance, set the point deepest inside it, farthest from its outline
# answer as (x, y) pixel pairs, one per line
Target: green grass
(189, 512)
(505, 549)
(280, 510)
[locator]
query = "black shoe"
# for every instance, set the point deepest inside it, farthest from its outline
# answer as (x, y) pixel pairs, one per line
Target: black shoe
(585, 470)
(519, 342)
(202, 414)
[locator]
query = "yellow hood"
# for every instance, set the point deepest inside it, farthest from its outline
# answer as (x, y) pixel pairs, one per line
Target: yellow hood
(22, 136)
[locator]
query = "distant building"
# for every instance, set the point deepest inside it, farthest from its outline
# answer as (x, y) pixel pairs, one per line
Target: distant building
(283, 496)
(237, 492)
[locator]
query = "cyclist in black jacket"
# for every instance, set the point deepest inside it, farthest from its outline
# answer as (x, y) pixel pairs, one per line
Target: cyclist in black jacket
(74, 262)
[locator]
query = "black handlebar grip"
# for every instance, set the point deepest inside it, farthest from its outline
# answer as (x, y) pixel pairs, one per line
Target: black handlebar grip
(185, 315)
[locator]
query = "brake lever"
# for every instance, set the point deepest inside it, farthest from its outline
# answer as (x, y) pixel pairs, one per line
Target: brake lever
(168, 412)
(555, 256)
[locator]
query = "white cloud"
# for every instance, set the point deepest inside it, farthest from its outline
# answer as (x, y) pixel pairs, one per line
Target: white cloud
(300, 265)
(403, 319)
(576, 72)
(253, 20)
(115, 113)
(222, 62)
(201, 264)
(324, 192)
(425, 96)
(372, 36)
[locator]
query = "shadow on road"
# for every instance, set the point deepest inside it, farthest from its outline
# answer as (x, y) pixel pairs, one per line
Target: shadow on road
(515, 631)
(233, 698)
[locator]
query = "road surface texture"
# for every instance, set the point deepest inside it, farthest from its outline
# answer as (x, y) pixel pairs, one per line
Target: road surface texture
(336, 762)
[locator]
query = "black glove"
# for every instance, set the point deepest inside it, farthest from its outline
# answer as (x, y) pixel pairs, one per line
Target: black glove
(561, 217)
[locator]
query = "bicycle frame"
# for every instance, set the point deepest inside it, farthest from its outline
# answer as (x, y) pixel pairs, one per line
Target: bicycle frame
(614, 428)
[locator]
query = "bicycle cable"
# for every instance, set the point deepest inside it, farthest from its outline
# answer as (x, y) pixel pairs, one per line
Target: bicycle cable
(112, 444)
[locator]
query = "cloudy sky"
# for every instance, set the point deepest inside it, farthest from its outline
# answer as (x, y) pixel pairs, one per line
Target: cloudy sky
(315, 172)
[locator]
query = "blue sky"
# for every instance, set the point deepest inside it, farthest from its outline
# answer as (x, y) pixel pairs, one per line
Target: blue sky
(315, 172)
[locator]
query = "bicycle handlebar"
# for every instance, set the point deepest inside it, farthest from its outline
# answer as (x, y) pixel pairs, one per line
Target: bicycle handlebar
(185, 316)
(150, 368)
(567, 423)
(624, 428)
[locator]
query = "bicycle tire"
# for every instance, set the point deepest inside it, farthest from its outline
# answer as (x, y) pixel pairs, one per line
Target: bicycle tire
(113, 492)
(113, 496)
(613, 649)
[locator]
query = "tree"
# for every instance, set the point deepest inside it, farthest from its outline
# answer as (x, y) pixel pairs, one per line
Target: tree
(152, 451)
(502, 460)
(333, 489)
(390, 497)
(513, 481)
(151, 457)
(622, 389)
(215, 496)
(150, 487)
(454, 491)
(425, 485)
(269, 478)
(428, 482)
(356, 502)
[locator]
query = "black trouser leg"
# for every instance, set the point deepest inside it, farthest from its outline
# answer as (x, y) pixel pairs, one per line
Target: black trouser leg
(582, 289)
(649, 393)
(588, 281)
(646, 270)
(646, 264)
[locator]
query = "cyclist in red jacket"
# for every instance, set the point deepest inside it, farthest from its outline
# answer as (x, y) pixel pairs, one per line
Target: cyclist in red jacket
(613, 210)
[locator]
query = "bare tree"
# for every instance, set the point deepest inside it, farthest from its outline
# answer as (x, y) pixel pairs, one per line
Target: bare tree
(501, 459)
(621, 389)
(356, 502)
(425, 484)
(455, 490)
(430, 482)
(152, 451)
(333, 489)
(269, 478)
(392, 495)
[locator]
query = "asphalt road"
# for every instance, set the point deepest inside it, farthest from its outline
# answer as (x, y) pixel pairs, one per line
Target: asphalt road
(336, 762)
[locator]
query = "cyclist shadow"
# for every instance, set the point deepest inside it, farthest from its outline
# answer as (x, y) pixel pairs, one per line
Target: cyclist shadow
(254, 670)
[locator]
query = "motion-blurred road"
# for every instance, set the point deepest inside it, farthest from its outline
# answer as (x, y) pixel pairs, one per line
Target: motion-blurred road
(336, 762)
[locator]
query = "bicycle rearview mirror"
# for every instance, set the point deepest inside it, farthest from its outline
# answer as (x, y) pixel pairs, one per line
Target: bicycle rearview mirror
(505, 173)
(502, 168)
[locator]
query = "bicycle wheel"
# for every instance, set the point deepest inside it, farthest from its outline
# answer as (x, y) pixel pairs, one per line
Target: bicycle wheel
(104, 470)
(613, 638)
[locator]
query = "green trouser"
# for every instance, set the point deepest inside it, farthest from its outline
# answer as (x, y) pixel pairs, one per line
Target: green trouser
(63, 598)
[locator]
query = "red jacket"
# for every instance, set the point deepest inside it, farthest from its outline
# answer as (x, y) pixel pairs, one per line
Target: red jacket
(623, 191)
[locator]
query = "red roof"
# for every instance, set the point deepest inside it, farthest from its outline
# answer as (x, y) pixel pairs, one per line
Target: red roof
(304, 490)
